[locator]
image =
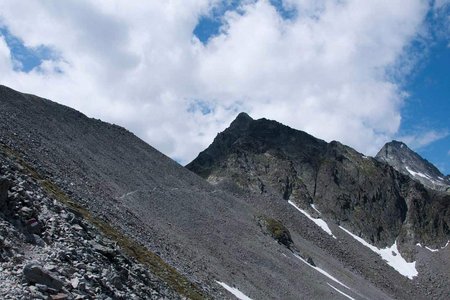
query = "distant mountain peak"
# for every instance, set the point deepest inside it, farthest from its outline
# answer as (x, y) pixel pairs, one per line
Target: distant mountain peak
(403, 159)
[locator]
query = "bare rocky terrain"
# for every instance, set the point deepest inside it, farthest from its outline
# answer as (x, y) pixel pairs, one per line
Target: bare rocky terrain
(130, 222)
(48, 251)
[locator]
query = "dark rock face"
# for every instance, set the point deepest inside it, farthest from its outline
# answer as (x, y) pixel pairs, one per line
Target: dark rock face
(406, 161)
(360, 193)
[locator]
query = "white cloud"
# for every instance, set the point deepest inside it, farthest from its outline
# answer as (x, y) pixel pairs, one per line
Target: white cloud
(424, 138)
(5, 57)
(137, 64)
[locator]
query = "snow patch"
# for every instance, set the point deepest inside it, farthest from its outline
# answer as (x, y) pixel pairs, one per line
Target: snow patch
(128, 194)
(314, 207)
(391, 255)
(432, 250)
(341, 292)
(436, 250)
(418, 174)
(321, 223)
(322, 271)
(234, 291)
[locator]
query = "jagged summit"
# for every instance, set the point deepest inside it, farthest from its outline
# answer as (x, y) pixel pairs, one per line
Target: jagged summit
(246, 135)
(403, 159)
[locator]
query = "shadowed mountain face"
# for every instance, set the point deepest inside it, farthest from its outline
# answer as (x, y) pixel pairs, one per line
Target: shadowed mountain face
(179, 226)
(406, 161)
(360, 193)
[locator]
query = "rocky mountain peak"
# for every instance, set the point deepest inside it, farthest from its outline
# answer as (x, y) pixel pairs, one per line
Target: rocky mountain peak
(246, 136)
(403, 159)
(242, 121)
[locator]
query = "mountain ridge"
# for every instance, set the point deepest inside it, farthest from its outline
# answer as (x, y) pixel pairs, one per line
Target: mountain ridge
(309, 164)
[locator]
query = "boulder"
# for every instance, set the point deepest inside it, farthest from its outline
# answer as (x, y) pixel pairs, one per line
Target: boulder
(276, 230)
(35, 273)
(110, 253)
(4, 187)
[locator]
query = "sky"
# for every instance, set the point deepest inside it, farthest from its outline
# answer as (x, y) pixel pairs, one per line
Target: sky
(177, 72)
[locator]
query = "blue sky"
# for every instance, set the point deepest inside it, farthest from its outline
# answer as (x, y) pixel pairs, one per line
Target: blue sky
(25, 58)
(428, 104)
(342, 70)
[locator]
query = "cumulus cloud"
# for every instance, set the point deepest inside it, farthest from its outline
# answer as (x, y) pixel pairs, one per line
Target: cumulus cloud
(139, 65)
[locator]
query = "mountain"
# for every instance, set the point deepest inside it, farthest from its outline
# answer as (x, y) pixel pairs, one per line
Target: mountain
(88, 210)
(327, 181)
(266, 157)
(406, 161)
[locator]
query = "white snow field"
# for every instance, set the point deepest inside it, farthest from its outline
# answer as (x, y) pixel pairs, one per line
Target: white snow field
(322, 271)
(234, 291)
(319, 222)
(391, 255)
(341, 292)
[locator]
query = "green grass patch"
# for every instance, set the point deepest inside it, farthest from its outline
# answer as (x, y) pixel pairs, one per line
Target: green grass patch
(276, 229)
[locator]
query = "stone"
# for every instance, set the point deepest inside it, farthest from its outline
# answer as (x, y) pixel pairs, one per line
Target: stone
(4, 187)
(276, 229)
(116, 281)
(59, 296)
(106, 251)
(34, 273)
(310, 261)
(38, 240)
(33, 225)
(74, 282)
(26, 211)
(41, 287)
